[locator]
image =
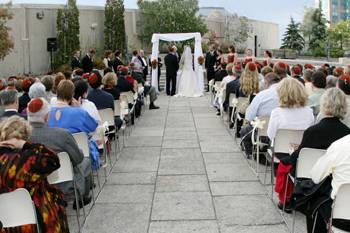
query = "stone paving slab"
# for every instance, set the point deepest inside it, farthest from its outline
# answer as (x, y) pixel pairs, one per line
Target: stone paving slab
(126, 194)
(184, 227)
(182, 183)
(280, 228)
(132, 178)
(142, 141)
(236, 188)
(183, 205)
(246, 210)
(225, 158)
(180, 143)
(187, 154)
(115, 218)
(219, 146)
(174, 166)
(229, 172)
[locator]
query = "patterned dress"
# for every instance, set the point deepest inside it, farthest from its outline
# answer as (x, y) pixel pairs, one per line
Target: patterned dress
(28, 168)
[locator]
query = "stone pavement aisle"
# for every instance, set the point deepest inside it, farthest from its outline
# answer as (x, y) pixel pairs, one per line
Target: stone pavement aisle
(181, 172)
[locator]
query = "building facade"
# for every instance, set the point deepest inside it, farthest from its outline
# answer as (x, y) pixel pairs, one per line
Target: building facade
(32, 24)
(335, 10)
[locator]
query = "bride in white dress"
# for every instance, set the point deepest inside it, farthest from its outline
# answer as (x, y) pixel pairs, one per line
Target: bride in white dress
(187, 79)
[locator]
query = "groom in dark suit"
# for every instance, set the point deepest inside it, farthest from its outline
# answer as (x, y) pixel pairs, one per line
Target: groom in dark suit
(172, 66)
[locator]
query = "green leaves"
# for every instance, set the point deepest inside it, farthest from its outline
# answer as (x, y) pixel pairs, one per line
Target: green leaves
(169, 16)
(6, 44)
(292, 38)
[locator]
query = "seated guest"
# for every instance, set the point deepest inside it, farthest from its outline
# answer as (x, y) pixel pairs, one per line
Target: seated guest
(67, 114)
(331, 81)
(335, 163)
(344, 85)
(230, 77)
(308, 81)
(319, 83)
(339, 71)
(9, 101)
(37, 90)
(27, 165)
(281, 69)
(24, 99)
(60, 140)
(109, 82)
(292, 112)
(297, 72)
(48, 82)
(318, 136)
(58, 78)
(221, 73)
(80, 94)
(262, 105)
(99, 97)
(122, 84)
(249, 82)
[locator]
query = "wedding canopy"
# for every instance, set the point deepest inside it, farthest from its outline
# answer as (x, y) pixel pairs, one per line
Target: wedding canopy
(178, 37)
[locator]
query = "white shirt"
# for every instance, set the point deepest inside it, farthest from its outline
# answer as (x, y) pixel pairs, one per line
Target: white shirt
(263, 103)
(336, 162)
(289, 118)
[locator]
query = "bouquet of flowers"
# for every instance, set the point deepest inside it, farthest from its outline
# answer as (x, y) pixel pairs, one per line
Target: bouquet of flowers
(154, 63)
(200, 60)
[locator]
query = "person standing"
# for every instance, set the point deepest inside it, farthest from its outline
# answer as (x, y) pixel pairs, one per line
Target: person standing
(117, 61)
(143, 61)
(210, 60)
(87, 62)
(75, 64)
(172, 66)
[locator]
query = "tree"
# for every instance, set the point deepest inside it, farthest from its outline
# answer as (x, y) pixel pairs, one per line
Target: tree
(339, 34)
(307, 24)
(6, 44)
(68, 30)
(318, 33)
(114, 25)
(169, 16)
(238, 30)
(292, 38)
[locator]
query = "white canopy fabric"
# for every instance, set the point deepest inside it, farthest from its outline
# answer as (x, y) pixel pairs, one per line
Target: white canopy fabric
(178, 37)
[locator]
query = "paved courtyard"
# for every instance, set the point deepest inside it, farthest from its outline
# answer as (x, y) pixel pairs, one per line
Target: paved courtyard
(182, 172)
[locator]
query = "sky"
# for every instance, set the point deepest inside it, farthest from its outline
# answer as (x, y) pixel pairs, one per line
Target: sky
(277, 11)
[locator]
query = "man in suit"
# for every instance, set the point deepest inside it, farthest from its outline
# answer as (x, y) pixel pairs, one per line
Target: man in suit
(210, 59)
(172, 66)
(60, 140)
(75, 64)
(143, 61)
(9, 101)
(87, 62)
(117, 61)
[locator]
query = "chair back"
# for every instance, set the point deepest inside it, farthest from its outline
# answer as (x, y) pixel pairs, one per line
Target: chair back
(83, 143)
(17, 209)
(284, 138)
(341, 204)
(307, 159)
(116, 107)
(64, 173)
(231, 97)
(107, 115)
(241, 101)
(263, 131)
(129, 96)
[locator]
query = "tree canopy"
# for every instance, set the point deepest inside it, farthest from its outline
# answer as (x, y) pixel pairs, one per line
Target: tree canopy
(114, 25)
(6, 44)
(238, 30)
(169, 16)
(292, 38)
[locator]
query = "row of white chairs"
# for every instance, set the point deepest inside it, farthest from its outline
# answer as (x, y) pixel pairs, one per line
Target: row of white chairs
(282, 143)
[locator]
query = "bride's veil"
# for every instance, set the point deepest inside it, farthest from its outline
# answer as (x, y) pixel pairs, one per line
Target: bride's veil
(186, 59)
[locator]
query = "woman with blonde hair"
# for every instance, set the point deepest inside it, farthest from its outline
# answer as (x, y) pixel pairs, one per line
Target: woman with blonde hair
(27, 165)
(249, 82)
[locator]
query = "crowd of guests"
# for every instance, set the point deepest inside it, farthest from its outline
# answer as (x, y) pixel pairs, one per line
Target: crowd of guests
(40, 114)
(298, 97)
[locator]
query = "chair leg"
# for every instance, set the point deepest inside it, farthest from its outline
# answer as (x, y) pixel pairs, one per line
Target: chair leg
(314, 226)
(285, 194)
(272, 174)
(293, 223)
(78, 206)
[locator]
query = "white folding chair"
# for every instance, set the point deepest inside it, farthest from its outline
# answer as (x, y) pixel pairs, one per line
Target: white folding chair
(237, 103)
(107, 115)
(306, 160)
(281, 144)
(83, 143)
(17, 209)
(116, 107)
(341, 206)
(65, 174)
(259, 130)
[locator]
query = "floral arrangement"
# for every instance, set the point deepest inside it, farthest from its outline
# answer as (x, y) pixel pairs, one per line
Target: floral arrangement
(200, 60)
(154, 63)
(345, 78)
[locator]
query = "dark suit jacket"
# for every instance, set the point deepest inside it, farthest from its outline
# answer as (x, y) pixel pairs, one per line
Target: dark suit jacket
(123, 85)
(87, 64)
(220, 75)
(101, 99)
(23, 102)
(210, 60)
(145, 66)
(115, 63)
(10, 114)
(172, 65)
(75, 63)
(321, 135)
